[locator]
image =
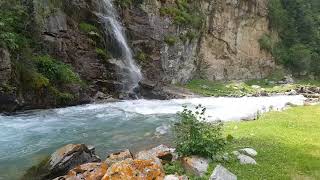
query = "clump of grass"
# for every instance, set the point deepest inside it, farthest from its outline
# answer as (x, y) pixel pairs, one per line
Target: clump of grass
(87, 28)
(103, 54)
(170, 40)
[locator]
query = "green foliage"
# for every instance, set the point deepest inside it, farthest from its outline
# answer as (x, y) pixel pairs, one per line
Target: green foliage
(103, 54)
(55, 71)
(174, 167)
(142, 57)
(195, 136)
(184, 14)
(13, 19)
(170, 40)
(62, 98)
(266, 42)
(298, 25)
(87, 28)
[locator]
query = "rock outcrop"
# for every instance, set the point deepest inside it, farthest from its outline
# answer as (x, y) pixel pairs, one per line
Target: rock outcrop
(229, 48)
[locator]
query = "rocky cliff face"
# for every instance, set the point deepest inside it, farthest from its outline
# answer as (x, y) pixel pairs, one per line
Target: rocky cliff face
(226, 47)
(229, 47)
(173, 42)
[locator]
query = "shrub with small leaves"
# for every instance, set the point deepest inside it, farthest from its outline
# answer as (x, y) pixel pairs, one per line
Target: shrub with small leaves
(195, 136)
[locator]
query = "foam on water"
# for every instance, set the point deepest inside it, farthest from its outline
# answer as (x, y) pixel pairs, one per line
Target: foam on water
(111, 126)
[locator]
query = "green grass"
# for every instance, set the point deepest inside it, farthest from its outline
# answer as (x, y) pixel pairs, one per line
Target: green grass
(211, 88)
(288, 145)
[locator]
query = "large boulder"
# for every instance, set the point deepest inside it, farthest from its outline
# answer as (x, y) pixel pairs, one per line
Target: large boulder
(135, 169)
(62, 161)
(70, 156)
(195, 165)
(221, 173)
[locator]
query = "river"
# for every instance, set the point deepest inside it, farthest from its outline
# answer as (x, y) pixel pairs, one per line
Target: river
(27, 137)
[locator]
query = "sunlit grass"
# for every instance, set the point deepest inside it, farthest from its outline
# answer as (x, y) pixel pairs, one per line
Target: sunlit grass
(288, 145)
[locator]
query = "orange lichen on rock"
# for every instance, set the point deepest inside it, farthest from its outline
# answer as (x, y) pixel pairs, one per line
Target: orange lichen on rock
(135, 170)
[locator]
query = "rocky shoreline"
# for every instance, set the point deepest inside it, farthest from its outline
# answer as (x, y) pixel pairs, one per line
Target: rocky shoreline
(79, 162)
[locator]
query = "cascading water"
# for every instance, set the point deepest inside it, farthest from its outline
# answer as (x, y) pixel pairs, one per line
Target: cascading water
(109, 18)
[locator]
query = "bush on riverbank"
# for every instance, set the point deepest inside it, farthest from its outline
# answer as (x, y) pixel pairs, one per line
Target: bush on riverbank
(195, 136)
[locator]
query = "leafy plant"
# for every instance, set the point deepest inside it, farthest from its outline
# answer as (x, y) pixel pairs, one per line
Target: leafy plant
(195, 136)
(174, 167)
(87, 28)
(55, 71)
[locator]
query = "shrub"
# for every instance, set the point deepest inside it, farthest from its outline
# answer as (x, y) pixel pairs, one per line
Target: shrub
(87, 28)
(55, 71)
(170, 40)
(13, 21)
(184, 14)
(266, 42)
(195, 136)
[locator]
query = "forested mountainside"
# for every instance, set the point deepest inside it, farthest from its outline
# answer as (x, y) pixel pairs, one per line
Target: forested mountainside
(57, 53)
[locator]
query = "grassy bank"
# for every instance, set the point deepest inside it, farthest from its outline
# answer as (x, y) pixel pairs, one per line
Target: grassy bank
(212, 88)
(288, 145)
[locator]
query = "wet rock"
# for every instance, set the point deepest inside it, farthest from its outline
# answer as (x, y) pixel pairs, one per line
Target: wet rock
(248, 151)
(70, 156)
(244, 159)
(89, 171)
(162, 152)
(161, 130)
(196, 165)
(118, 156)
(221, 173)
(135, 169)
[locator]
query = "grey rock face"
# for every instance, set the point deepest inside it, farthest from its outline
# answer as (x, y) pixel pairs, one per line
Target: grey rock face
(249, 151)
(244, 159)
(221, 173)
(5, 66)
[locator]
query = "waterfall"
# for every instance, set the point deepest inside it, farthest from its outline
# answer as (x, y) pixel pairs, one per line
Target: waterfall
(108, 16)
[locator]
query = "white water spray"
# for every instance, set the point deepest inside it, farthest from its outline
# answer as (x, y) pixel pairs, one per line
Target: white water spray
(109, 18)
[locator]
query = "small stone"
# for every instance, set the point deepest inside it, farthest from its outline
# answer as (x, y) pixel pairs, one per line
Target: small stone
(196, 165)
(236, 153)
(249, 151)
(244, 159)
(118, 156)
(175, 177)
(255, 87)
(221, 173)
